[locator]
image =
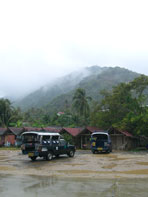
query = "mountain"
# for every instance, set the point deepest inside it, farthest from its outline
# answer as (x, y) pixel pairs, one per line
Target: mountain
(61, 86)
(93, 84)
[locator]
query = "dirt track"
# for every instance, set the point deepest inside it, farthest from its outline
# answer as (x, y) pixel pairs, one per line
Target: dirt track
(84, 164)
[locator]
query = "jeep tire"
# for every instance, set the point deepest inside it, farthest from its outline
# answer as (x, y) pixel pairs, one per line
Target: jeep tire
(49, 156)
(71, 153)
(33, 158)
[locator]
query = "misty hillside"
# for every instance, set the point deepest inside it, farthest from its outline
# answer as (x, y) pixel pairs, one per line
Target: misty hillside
(63, 85)
(93, 84)
(58, 95)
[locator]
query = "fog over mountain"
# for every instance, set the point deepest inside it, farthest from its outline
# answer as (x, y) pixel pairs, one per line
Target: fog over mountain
(92, 79)
(41, 41)
(59, 86)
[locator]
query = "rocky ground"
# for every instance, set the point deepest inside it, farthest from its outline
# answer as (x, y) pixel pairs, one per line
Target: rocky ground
(83, 164)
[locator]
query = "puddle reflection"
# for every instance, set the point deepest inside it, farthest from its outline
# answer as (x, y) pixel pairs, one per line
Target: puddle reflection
(37, 186)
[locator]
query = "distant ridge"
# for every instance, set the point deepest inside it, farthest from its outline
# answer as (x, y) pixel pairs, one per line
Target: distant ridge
(92, 79)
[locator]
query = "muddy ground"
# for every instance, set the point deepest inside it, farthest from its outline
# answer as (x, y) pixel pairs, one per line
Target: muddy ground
(84, 164)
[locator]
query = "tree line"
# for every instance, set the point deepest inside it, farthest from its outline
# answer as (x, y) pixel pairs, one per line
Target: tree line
(124, 107)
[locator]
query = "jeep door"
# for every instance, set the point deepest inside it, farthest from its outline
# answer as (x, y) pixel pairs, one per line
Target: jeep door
(55, 145)
(63, 146)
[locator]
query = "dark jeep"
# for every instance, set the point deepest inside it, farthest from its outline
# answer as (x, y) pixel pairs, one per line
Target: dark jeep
(45, 144)
(101, 142)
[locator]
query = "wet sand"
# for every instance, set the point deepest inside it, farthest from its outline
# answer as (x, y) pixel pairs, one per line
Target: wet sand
(83, 165)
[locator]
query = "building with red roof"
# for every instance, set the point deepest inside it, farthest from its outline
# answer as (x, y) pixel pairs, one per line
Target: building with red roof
(80, 136)
(72, 131)
(122, 140)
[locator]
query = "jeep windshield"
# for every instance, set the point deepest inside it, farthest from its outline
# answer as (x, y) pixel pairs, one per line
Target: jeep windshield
(101, 137)
(30, 138)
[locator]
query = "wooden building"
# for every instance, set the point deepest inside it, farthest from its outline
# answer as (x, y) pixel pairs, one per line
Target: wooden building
(122, 140)
(11, 136)
(84, 137)
(80, 136)
(73, 133)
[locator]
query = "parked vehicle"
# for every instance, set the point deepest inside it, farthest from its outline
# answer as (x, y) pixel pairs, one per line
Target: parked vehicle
(101, 142)
(45, 144)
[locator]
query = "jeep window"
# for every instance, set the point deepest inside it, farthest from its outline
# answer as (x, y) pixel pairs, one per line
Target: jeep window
(28, 138)
(100, 137)
(63, 142)
(55, 139)
(46, 139)
(61, 137)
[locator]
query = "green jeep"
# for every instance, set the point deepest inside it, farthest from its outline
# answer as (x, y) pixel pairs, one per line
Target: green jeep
(45, 144)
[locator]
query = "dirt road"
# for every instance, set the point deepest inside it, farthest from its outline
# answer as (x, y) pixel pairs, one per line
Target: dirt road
(84, 164)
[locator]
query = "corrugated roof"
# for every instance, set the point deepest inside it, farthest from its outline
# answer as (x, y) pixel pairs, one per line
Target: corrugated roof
(31, 129)
(2, 130)
(74, 131)
(53, 129)
(126, 133)
(94, 129)
(16, 130)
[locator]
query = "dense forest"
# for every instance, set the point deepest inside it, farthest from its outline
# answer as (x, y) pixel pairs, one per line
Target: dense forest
(124, 107)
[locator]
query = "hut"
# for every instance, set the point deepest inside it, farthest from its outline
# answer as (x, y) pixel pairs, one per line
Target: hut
(84, 137)
(71, 134)
(122, 140)
(11, 136)
(80, 136)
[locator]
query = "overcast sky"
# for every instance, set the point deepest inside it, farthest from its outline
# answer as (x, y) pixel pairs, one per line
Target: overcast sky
(44, 39)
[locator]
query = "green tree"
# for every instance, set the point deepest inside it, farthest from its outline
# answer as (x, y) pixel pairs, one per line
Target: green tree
(34, 115)
(123, 107)
(80, 104)
(68, 138)
(8, 114)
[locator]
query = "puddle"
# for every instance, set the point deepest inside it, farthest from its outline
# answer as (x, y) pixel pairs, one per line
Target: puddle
(34, 186)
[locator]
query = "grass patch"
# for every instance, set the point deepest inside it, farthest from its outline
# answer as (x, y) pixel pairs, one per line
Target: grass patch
(9, 148)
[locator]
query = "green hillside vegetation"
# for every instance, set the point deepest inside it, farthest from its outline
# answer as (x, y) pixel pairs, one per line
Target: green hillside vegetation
(93, 84)
(123, 107)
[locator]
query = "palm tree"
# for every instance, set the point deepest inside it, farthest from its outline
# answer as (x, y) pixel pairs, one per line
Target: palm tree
(80, 103)
(5, 111)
